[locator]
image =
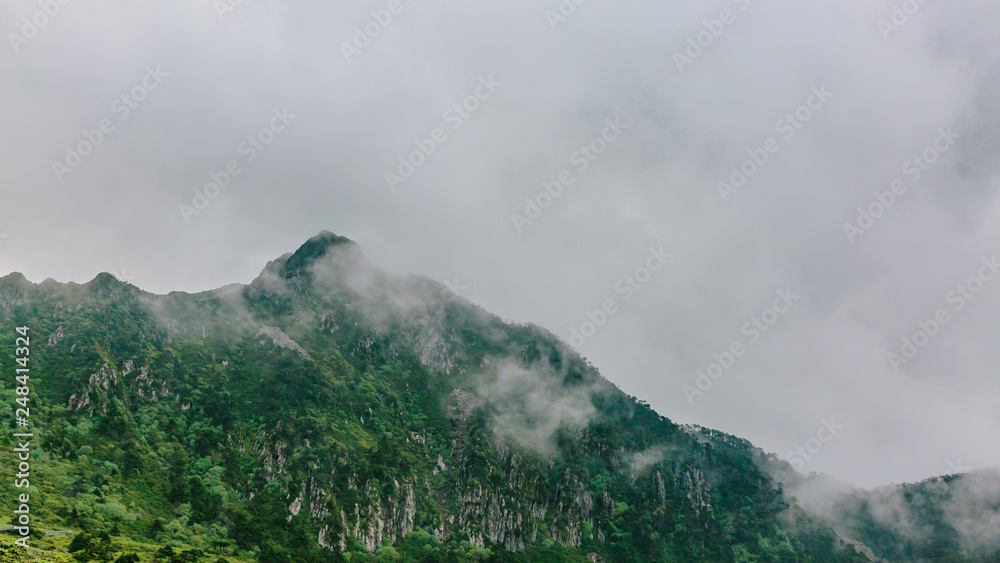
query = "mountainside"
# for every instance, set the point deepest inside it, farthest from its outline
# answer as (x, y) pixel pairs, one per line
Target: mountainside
(949, 518)
(329, 411)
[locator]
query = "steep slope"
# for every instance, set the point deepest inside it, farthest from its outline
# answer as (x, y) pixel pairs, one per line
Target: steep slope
(331, 412)
(949, 518)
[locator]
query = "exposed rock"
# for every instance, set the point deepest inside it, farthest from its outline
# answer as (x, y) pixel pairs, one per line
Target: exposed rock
(98, 386)
(282, 340)
(383, 519)
(697, 491)
(56, 336)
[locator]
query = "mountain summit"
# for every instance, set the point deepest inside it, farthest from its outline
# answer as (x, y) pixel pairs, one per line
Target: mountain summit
(329, 411)
(314, 249)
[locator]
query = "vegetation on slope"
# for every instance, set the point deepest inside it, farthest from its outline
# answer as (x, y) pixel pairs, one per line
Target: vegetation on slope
(330, 412)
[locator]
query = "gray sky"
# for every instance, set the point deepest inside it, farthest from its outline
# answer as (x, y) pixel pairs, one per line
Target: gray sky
(196, 86)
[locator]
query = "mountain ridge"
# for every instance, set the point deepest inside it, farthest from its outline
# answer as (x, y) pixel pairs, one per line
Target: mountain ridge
(329, 411)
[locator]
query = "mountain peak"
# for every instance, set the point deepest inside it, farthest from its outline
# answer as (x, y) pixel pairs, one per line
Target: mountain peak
(314, 249)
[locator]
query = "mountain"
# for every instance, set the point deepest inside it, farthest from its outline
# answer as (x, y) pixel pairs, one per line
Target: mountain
(948, 518)
(329, 411)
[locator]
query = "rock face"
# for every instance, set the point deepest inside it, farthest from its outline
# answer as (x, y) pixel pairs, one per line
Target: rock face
(281, 339)
(383, 519)
(98, 385)
(696, 487)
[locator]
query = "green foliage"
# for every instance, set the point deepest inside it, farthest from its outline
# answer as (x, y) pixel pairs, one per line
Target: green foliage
(86, 548)
(80, 541)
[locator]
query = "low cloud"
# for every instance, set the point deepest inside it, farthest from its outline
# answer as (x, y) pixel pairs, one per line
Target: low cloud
(530, 404)
(974, 510)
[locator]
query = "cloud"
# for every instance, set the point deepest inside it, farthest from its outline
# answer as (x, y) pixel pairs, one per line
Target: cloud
(529, 405)
(973, 509)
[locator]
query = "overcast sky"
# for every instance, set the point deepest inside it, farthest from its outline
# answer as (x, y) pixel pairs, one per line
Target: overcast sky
(839, 97)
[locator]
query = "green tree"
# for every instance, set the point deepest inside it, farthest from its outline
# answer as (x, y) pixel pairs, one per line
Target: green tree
(79, 542)
(387, 554)
(165, 554)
